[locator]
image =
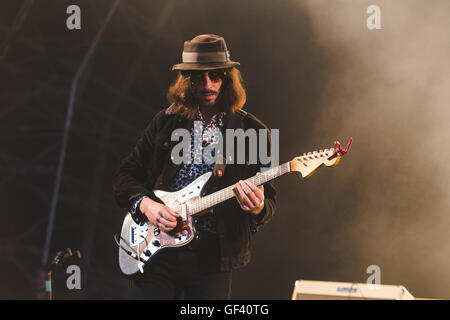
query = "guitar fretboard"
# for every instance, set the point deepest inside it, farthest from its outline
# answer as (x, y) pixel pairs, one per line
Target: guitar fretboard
(220, 196)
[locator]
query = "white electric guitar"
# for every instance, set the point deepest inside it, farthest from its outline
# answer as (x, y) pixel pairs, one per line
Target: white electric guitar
(138, 243)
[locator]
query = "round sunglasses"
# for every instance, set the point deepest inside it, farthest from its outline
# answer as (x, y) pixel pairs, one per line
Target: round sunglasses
(199, 76)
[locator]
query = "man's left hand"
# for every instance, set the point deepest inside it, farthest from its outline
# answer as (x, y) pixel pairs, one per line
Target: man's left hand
(251, 195)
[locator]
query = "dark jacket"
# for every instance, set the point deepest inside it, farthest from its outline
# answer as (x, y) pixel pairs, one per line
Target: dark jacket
(149, 167)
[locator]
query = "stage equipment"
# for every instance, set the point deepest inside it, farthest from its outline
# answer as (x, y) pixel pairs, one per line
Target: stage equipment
(61, 257)
(327, 290)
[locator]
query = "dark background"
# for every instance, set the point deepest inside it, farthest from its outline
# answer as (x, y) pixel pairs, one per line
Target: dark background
(312, 69)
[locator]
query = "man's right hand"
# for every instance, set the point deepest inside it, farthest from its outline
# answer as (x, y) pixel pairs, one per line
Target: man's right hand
(159, 214)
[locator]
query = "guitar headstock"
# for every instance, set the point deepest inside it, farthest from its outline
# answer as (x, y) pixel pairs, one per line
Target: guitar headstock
(310, 162)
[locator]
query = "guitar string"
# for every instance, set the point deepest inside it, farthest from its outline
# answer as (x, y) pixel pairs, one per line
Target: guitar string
(227, 193)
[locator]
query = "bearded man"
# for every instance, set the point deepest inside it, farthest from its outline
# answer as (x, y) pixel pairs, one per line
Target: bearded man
(208, 90)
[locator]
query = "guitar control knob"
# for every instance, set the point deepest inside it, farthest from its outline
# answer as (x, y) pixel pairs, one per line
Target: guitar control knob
(156, 242)
(156, 231)
(147, 253)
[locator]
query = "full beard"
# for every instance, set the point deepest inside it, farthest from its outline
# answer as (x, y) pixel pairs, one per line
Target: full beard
(207, 102)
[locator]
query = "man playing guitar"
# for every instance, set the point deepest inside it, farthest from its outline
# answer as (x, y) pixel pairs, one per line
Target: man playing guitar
(208, 89)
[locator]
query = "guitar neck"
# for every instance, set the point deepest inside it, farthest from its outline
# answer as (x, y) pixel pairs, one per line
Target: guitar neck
(209, 201)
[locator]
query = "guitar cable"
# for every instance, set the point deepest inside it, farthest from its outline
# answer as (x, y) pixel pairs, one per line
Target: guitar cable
(135, 255)
(139, 259)
(130, 253)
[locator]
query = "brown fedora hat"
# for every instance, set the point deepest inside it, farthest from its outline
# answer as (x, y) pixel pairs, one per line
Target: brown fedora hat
(205, 52)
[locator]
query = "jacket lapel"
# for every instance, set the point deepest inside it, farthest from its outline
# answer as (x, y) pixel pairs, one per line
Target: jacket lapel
(170, 169)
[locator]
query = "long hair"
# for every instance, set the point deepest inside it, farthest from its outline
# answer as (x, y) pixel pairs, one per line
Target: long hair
(231, 98)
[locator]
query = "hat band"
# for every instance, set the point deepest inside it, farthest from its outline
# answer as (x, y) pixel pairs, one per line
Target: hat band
(205, 57)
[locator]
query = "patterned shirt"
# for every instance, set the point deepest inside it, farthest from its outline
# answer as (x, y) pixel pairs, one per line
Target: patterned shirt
(201, 162)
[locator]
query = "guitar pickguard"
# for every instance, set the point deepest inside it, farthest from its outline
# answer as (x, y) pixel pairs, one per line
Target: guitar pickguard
(146, 240)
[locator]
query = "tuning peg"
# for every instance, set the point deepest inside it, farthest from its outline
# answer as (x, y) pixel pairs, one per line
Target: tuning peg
(331, 149)
(309, 153)
(320, 151)
(326, 150)
(315, 152)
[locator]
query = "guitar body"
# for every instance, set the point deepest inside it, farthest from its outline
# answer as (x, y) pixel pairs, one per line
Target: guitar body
(143, 241)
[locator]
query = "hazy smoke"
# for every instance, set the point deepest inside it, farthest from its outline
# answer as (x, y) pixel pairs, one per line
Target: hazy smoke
(390, 90)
